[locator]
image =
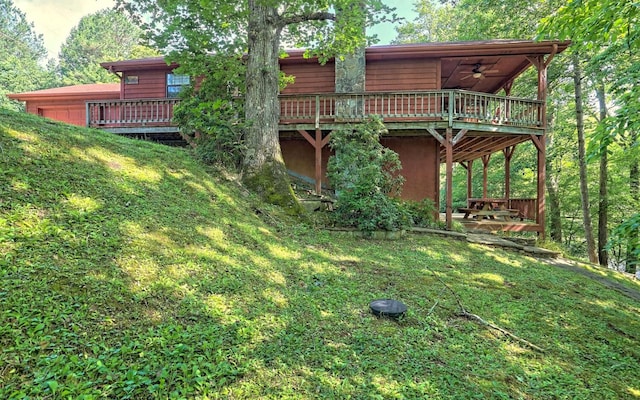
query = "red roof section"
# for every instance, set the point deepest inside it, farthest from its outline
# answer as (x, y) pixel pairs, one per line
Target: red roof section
(136, 64)
(70, 91)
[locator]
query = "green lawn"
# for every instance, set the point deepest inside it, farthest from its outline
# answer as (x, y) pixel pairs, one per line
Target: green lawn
(129, 270)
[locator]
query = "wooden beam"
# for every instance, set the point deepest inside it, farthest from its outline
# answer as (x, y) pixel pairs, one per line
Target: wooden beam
(306, 135)
(541, 180)
(476, 147)
(326, 139)
(449, 184)
(318, 143)
(537, 142)
(436, 135)
(459, 136)
(318, 159)
(485, 172)
(508, 154)
(469, 180)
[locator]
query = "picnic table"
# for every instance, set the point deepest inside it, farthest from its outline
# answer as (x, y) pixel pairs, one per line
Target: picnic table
(482, 208)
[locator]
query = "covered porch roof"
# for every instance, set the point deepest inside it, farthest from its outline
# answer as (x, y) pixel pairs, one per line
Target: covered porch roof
(498, 62)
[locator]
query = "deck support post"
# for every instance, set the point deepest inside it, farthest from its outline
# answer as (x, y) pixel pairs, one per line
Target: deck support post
(469, 180)
(469, 167)
(318, 143)
(508, 154)
(318, 156)
(448, 144)
(539, 142)
(485, 172)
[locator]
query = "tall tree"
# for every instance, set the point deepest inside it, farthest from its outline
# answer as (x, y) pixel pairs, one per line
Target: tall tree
(582, 163)
(21, 53)
(603, 194)
(107, 35)
(607, 29)
(257, 27)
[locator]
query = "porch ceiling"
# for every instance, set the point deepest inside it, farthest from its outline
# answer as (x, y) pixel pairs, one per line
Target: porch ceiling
(498, 71)
(506, 59)
(474, 147)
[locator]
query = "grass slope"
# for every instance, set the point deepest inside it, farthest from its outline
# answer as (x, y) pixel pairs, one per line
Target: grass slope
(128, 271)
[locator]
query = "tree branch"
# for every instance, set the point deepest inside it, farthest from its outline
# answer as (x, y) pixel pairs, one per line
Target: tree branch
(316, 16)
(473, 317)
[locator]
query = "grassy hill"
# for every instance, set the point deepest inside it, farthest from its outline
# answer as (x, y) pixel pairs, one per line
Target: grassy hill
(129, 270)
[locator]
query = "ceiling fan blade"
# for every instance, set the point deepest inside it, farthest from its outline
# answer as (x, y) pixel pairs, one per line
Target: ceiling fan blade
(491, 71)
(466, 77)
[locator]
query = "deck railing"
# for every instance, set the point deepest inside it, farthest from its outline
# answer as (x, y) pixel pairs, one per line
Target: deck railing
(446, 105)
(528, 208)
(130, 113)
(442, 105)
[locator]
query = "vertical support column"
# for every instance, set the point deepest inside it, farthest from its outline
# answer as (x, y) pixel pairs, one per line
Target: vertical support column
(508, 154)
(318, 143)
(541, 179)
(542, 96)
(469, 180)
(485, 172)
(318, 148)
(448, 143)
(540, 141)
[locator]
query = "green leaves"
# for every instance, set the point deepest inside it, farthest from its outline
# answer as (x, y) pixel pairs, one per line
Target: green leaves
(365, 174)
(107, 35)
(197, 290)
(21, 52)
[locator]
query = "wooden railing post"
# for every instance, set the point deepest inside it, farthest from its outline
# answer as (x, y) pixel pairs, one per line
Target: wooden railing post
(317, 111)
(452, 104)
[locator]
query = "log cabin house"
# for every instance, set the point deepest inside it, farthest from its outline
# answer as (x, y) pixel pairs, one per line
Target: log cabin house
(442, 103)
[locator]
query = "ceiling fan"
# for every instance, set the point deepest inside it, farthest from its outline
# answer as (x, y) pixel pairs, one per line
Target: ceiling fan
(478, 72)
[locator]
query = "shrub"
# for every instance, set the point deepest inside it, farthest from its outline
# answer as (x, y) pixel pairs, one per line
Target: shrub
(365, 176)
(210, 115)
(422, 213)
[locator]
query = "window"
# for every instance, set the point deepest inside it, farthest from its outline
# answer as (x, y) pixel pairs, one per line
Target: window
(175, 84)
(131, 80)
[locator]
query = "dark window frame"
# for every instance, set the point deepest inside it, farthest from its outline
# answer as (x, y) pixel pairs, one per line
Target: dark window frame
(176, 83)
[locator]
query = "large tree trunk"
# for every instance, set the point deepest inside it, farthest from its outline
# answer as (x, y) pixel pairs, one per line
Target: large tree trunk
(603, 197)
(264, 169)
(582, 164)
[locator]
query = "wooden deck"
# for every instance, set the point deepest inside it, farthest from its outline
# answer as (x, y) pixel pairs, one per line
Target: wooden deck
(492, 225)
(439, 109)
(400, 110)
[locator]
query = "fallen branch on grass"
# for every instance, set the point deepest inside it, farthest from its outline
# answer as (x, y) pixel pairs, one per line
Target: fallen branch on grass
(476, 318)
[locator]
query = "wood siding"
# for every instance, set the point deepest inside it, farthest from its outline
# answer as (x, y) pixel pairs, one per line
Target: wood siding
(420, 160)
(151, 85)
(69, 110)
(299, 156)
(419, 156)
(398, 75)
(310, 77)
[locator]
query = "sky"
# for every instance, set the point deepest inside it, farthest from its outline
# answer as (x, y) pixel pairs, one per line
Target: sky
(54, 19)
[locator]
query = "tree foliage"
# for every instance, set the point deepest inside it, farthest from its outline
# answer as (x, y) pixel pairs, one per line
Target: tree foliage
(253, 30)
(21, 54)
(605, 34)
(106, 35)
(365, 176)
